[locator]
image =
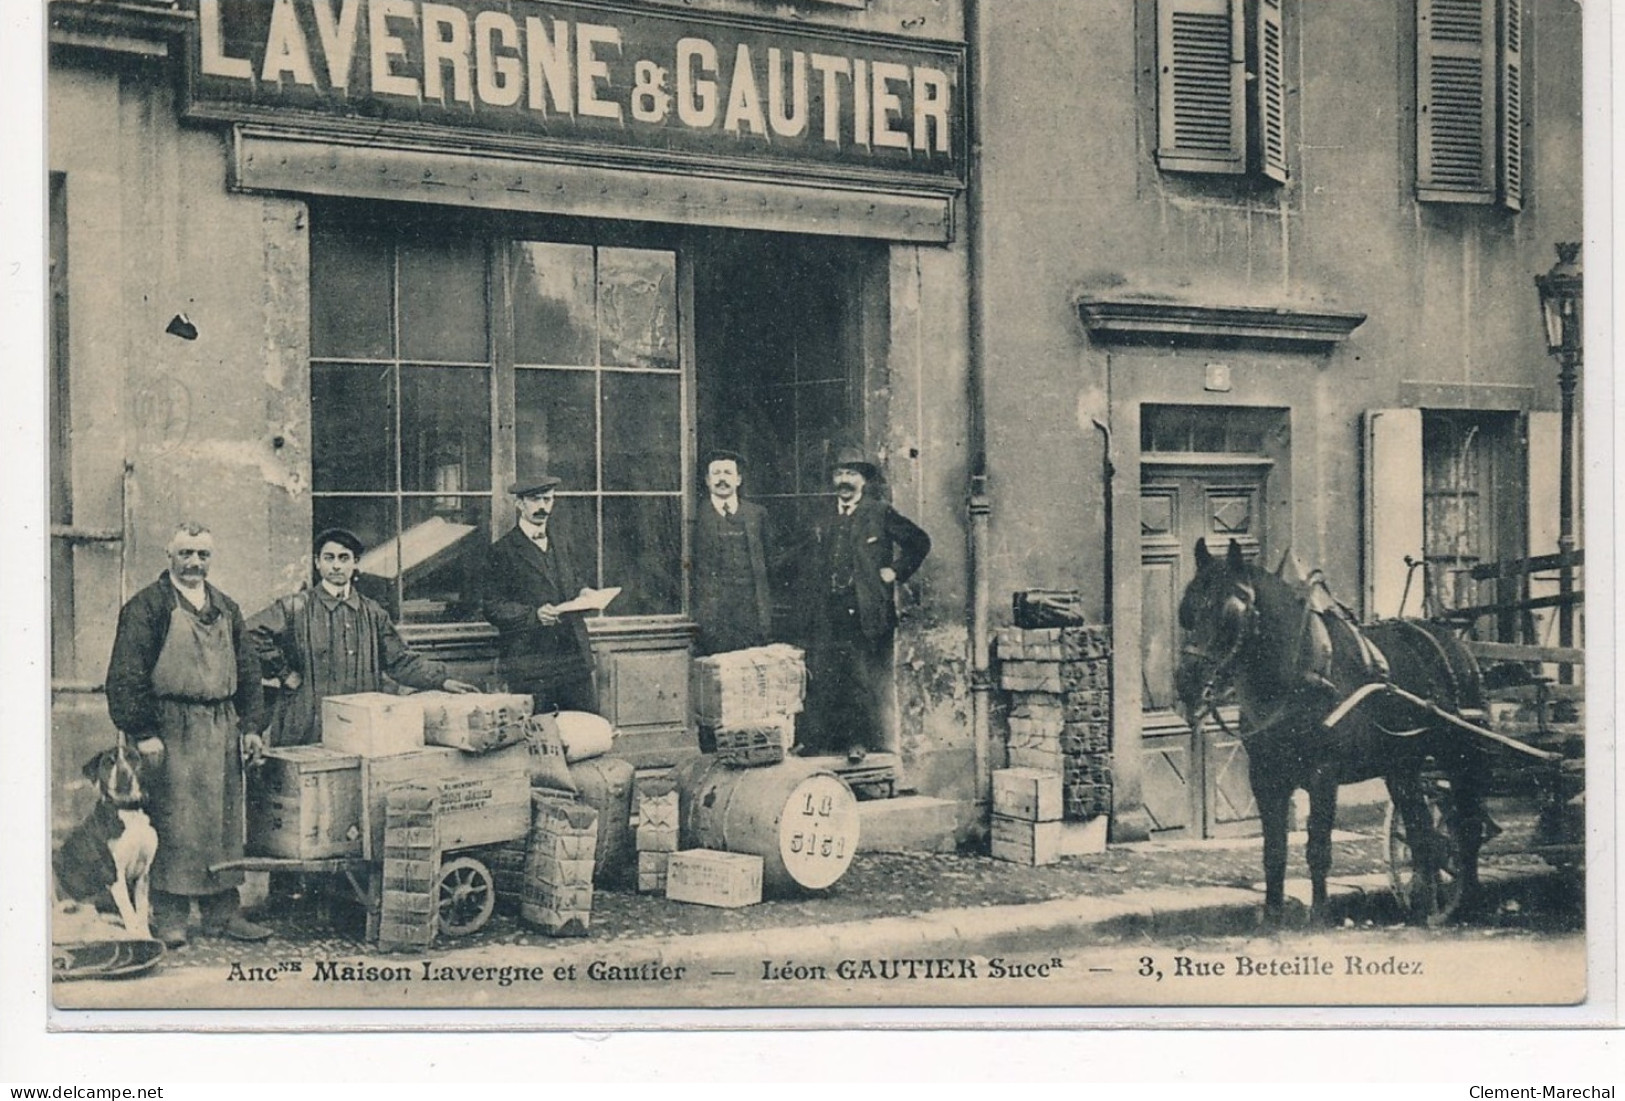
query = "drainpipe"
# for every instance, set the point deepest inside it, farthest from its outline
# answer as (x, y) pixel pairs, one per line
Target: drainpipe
(979, 503)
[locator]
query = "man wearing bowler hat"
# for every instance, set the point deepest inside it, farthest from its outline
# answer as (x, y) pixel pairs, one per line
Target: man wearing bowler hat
(862, 548)
(733, 606)
(528, 572)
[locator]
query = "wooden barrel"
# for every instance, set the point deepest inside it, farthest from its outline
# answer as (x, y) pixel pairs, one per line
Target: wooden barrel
(605, 785)
(802, 820)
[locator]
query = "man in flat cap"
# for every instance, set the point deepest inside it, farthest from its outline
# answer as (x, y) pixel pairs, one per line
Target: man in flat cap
(330, 640)
(733, 605)
(528, 572)
(861, 549)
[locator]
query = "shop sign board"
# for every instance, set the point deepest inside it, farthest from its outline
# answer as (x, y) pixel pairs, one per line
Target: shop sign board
(589, 80)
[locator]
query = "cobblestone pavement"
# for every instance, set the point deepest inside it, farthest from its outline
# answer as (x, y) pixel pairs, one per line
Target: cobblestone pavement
(877, 885)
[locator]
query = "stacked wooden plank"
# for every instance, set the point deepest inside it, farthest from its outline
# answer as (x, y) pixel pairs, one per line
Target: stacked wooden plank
(557, 894)
(746, 702)
(657, 803)
(410, 913)
(1059, 680)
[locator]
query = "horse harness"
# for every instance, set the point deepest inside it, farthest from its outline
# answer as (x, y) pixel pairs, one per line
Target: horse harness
(1336, 617)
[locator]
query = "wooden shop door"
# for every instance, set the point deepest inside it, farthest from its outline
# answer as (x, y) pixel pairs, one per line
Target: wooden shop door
(1195, 783)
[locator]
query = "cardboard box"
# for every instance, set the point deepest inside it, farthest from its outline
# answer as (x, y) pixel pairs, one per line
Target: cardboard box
(1023, 842)
(372, 724)
(475, 722)
(657, 839)
(557, 911)
(304, 803)
(657, 804)
(652, 873)
(1036, 758)
(483, 798)
(557, 872)
(1028, 793)
(714, 878)
(1030, 676)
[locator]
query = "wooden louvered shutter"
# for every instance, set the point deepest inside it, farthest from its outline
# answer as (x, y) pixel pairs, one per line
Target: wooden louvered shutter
(1271, 90)
(1456, 81)
(1511, 113)
(1201, 86)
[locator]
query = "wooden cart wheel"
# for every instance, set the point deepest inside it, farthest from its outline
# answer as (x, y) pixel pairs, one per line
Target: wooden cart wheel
(466, 895)
(1402, 876)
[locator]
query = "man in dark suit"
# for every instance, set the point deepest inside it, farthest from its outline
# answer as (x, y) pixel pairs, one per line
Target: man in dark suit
(861, 549)
(732, 603)
(527, 573)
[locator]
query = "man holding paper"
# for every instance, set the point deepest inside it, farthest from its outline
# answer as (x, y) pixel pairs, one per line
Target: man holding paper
(533, 596)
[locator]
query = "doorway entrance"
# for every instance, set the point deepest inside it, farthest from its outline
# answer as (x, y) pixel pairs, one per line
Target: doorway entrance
(1195, 782)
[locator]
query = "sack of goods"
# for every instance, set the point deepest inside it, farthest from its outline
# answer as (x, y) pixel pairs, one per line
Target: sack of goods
(557, 894)
(584, 735)
(475, 722)
(745, 688)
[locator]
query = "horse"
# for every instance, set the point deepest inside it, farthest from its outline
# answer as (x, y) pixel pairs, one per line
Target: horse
(1316, 714)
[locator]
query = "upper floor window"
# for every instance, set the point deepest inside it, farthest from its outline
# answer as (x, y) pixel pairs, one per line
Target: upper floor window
(1221, 87)
(1469, 112)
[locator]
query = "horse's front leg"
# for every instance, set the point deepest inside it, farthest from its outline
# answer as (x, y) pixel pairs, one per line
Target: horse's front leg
(1274, 803)
(1322, 817)
(1406, 792)
(1467, 804)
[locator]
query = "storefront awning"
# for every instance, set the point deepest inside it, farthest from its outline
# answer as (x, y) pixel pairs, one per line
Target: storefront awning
(268, 160)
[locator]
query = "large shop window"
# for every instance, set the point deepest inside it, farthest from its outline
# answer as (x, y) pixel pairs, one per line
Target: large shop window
(413, 367)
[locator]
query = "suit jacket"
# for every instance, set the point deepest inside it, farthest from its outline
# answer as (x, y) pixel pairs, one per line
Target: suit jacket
(712, 605)
(882, 537)
(519, 578)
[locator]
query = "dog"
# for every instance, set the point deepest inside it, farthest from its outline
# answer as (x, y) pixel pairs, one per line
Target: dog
(105, 861)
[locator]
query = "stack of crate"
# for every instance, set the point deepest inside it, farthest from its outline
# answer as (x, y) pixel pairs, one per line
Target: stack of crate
(557, 894)
(409, 916)
(1026, 826)
(657, 833)
(746, 702)
(1059, 682)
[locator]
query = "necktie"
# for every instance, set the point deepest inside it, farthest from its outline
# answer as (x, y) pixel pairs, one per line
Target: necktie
(541, 538)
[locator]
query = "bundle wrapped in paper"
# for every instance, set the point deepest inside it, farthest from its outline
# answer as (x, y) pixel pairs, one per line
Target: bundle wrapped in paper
(475, 722)
(750, 688)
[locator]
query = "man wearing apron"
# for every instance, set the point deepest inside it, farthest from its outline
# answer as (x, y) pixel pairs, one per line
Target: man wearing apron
(184, 685)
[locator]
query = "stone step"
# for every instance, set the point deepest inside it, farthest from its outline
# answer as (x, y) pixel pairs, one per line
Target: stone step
(908, 823)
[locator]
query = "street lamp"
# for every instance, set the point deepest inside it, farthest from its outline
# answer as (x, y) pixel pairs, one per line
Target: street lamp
(1562, 292)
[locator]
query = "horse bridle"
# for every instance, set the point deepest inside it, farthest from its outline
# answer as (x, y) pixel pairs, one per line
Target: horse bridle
(1209, 701)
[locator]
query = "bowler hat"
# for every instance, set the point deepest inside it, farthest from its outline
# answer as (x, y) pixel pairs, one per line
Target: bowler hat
(850, 458)
(346, 539)
(532, 482)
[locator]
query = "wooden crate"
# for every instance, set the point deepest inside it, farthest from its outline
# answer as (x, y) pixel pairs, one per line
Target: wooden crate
(372, 724)
(1028, 793)
(304, 803)
(714, 878)
(1023, 842)
(483, 798)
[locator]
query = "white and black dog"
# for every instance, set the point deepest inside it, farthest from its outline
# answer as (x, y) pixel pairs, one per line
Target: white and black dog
(105, 861)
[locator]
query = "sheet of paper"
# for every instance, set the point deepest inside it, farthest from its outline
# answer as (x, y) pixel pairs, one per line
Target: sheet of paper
(590, 600)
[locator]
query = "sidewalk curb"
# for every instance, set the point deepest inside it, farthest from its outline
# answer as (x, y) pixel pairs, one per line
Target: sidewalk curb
(1160, 912)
